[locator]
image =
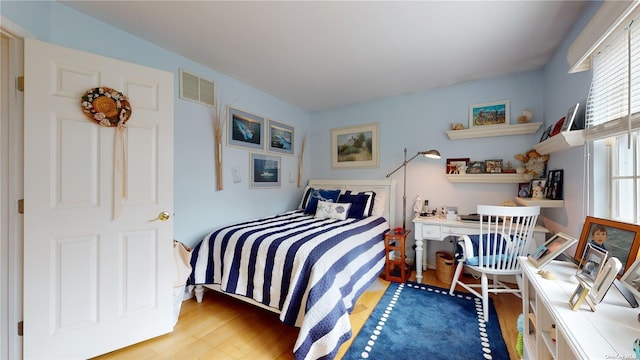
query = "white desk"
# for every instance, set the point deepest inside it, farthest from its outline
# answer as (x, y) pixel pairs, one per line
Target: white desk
(438, 229)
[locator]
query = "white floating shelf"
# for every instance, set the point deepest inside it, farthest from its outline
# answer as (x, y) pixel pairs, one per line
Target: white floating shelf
(546, 203)
(494, 130)
(487, 178)
(561, 141)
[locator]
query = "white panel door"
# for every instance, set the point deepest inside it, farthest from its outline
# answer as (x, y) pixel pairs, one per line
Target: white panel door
(92, 283)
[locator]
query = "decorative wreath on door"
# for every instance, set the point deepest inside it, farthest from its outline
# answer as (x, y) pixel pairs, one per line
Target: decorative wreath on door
(108, 107)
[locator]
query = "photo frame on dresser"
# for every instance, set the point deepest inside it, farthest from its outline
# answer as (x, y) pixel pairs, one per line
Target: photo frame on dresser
(551, 249)
(621, 240)
(604, 280)
(631, 279)
(591, 263)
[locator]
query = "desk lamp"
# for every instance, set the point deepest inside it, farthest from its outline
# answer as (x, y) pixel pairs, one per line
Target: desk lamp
(433, 154)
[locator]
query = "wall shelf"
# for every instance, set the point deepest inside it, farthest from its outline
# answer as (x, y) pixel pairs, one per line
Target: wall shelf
(561, 141)
(543, 203)
(494, 130)
(487, 178)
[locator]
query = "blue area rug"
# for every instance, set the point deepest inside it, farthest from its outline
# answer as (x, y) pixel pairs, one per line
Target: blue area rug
(416, 321)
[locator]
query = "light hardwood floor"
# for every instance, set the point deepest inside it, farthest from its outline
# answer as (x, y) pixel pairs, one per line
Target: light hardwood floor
(225, 328)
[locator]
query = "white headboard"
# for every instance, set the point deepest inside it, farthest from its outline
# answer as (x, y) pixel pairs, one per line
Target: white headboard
(385, 186)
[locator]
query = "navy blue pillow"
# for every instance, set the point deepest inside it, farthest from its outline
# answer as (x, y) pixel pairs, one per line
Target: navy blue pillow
(320, 194)
(361, 203)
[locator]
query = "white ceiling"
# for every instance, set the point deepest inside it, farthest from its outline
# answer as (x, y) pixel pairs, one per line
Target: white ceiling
(324, 54)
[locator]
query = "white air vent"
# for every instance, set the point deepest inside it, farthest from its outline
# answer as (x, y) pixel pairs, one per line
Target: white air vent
(195, 88)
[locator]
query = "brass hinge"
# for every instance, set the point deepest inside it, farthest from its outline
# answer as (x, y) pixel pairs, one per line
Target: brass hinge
(20, 83)
(20, 327)
(21, 206)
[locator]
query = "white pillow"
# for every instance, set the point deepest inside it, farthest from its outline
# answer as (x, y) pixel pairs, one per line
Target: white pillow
(331, 210)
(378, 205)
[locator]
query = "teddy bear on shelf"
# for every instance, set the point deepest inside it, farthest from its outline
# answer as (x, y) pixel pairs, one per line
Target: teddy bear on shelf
(533, 163)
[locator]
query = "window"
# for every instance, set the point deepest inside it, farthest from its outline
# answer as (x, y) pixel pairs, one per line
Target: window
(613, 127)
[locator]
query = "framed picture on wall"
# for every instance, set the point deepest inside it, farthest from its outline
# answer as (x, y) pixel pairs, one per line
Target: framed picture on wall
(264, 171)
(489, 114)
(355, 146)
(244, 129)
(281, 137)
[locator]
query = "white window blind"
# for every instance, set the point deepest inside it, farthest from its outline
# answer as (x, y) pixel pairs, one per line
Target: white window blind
(615, 85)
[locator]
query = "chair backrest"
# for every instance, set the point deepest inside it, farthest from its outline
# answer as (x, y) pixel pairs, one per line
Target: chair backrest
(506, 232)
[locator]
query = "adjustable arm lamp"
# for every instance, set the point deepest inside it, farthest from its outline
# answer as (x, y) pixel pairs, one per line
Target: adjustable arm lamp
(434, 154)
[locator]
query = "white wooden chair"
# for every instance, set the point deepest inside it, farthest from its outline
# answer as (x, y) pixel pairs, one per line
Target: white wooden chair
(506, 233)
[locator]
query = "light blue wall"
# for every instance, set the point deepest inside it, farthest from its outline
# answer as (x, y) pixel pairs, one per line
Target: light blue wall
(416, 121)
(561, 90)
(419, 121)
(198, 206)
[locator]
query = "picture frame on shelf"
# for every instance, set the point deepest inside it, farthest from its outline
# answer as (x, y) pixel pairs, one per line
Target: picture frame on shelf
(494, 113)
(245, 129)
(281, 137)
(265, 171)
(554, 184)
(570, 118)
(537, 188)
(591, 263)
(621, 240)
(524, 190)
(546, 133)
(457, 165)
(557, 127)
(631, 278)
(493, 166)
(475, 167)
(553, 247)
(355, 146)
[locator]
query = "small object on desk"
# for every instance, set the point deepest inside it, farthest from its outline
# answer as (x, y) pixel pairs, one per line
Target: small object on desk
(547, 274)
(399, 230)
(580, 295)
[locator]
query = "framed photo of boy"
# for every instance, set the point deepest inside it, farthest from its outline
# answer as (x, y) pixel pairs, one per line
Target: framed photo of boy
(620, 239)
(488, 114)
(553, 190)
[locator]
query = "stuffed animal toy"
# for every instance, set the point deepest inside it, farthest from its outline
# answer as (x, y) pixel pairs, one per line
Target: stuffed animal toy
(457, 126)
(534, 163)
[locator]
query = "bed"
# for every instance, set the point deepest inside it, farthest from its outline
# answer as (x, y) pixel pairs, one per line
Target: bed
(308, 268)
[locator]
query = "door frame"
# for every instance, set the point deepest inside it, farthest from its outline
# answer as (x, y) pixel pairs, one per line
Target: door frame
(11, 253)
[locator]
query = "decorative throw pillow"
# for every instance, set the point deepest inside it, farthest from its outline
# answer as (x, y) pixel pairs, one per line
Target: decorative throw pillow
(316, 195)
(330, 210)
(361, 203)
(378, 205)
(305, 197)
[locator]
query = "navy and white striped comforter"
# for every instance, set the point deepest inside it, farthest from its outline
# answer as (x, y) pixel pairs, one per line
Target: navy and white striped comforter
(312, 270)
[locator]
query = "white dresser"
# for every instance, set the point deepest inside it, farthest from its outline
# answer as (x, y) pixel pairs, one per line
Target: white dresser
(607, 333)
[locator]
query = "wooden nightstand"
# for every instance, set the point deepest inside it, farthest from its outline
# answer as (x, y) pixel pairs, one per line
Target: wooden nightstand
(395, 261)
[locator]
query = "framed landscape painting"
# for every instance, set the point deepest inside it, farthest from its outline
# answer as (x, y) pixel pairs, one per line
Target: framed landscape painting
(489, 114)
(355, 146)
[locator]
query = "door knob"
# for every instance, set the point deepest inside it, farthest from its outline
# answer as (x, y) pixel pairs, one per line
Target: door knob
(164, 215)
